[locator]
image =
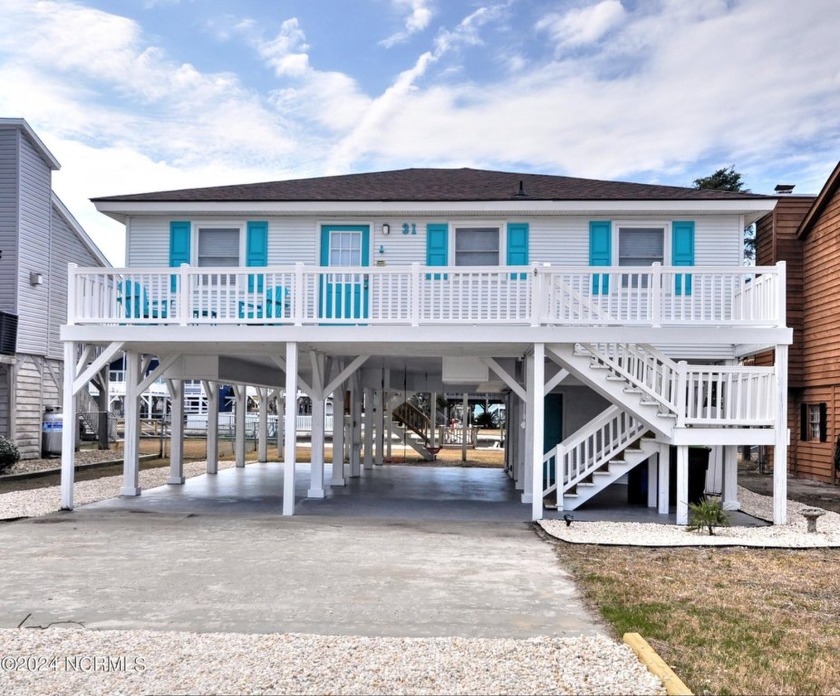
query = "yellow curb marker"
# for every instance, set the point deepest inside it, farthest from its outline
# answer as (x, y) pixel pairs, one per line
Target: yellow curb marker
(656, 665)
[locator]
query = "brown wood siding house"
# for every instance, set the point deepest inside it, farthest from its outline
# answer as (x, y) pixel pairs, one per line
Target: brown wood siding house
(805, 232)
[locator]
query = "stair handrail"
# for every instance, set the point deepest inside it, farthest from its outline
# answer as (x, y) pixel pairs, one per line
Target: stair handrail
(666, 372)
(414, 419)
(609, 433)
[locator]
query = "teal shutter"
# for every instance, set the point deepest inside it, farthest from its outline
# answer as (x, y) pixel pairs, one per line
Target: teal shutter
(437, 246)
(517, 246)
(256, 251)
(179, 247)
(600, 253)
(682, 254)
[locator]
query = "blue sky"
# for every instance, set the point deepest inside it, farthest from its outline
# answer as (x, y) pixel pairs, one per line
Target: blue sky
(142, 95)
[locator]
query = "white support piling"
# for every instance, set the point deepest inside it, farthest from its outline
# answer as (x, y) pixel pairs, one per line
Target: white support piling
(465, 422)
(730, 478)
(355, 431)
(281, 427)
(68, 449)
(176, 432)
(651, 479)
(131, 444)
(338, 438)
(682, 484)
(530, 407)
(536, 387)
(433, 420)
(262, 430)
(379, 444)
(780, 450)
(290, 456)
(239, 428)
(211, 391)
(368, 429)
(316, 471)
(663, 479)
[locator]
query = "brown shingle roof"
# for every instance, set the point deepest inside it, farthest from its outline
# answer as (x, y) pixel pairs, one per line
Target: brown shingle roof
(434, 185)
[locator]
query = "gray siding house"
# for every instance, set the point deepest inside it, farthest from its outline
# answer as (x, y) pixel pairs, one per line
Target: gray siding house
(38, 238)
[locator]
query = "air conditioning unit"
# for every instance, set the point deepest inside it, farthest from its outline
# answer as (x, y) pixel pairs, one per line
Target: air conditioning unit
(8, 333)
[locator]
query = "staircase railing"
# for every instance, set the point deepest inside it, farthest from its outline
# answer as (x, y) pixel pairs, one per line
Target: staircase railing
(642, 366)
(415, 420)
(698, 395)
(590, 448)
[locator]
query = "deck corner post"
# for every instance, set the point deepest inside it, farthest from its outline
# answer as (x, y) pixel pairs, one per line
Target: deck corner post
(184, 295)
(415, 294)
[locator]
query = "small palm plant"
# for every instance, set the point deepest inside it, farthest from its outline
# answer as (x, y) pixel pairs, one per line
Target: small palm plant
(707, 514)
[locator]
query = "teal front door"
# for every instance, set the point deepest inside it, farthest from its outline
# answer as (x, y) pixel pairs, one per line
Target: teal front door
(344, 293)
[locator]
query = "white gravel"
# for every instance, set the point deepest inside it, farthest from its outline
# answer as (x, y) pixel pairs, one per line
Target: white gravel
(791, 535)
(40, 501)
(190, 663)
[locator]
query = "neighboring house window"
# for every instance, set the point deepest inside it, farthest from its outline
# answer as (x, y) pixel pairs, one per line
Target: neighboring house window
(813, 424)
(477, 246)
(813, 421)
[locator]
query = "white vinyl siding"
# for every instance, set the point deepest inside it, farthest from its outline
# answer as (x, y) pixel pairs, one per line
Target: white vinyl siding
(560, 241)
(65, 247)
(33, 249)
(8, 219)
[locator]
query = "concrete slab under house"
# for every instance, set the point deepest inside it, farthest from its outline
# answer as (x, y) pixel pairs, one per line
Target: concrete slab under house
(611, 319)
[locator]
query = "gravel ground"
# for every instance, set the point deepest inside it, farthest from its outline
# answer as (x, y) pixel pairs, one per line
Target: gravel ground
(189, 663)
(40, 501)
(791, 535)
(82, 457)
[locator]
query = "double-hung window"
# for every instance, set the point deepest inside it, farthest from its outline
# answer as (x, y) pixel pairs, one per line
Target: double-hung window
(640, 246)
(218, 247)
(477, 246)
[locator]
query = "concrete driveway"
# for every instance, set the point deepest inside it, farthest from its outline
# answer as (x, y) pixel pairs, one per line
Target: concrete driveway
(124, 569)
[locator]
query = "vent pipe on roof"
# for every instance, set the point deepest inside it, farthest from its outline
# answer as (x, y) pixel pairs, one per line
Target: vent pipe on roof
(521, 192)
(784, 189)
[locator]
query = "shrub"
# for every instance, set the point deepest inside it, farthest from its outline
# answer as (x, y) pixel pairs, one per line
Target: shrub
(9, 455)
(707, 514)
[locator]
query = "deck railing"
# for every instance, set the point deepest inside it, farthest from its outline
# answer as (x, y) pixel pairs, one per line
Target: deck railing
(418, 295)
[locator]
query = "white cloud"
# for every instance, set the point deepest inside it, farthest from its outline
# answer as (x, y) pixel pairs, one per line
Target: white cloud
(397, 96)
(286, 52)
(583, 26)
(419, 15)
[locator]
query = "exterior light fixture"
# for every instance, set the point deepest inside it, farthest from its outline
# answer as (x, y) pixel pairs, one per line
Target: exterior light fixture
(36, 278)
(386, 228)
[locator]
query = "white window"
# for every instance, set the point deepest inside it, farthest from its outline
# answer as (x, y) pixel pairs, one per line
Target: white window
(640, 246)
(477, 246)
(345, 248)
(218, 246)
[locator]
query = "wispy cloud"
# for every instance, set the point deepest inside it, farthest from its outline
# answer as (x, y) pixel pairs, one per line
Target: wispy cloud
(583, 26)
(419, 15)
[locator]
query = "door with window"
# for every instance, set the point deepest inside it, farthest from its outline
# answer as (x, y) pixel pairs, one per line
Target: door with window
(344, 294)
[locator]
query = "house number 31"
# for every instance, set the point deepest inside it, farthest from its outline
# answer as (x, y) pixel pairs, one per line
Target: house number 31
(409, 229)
